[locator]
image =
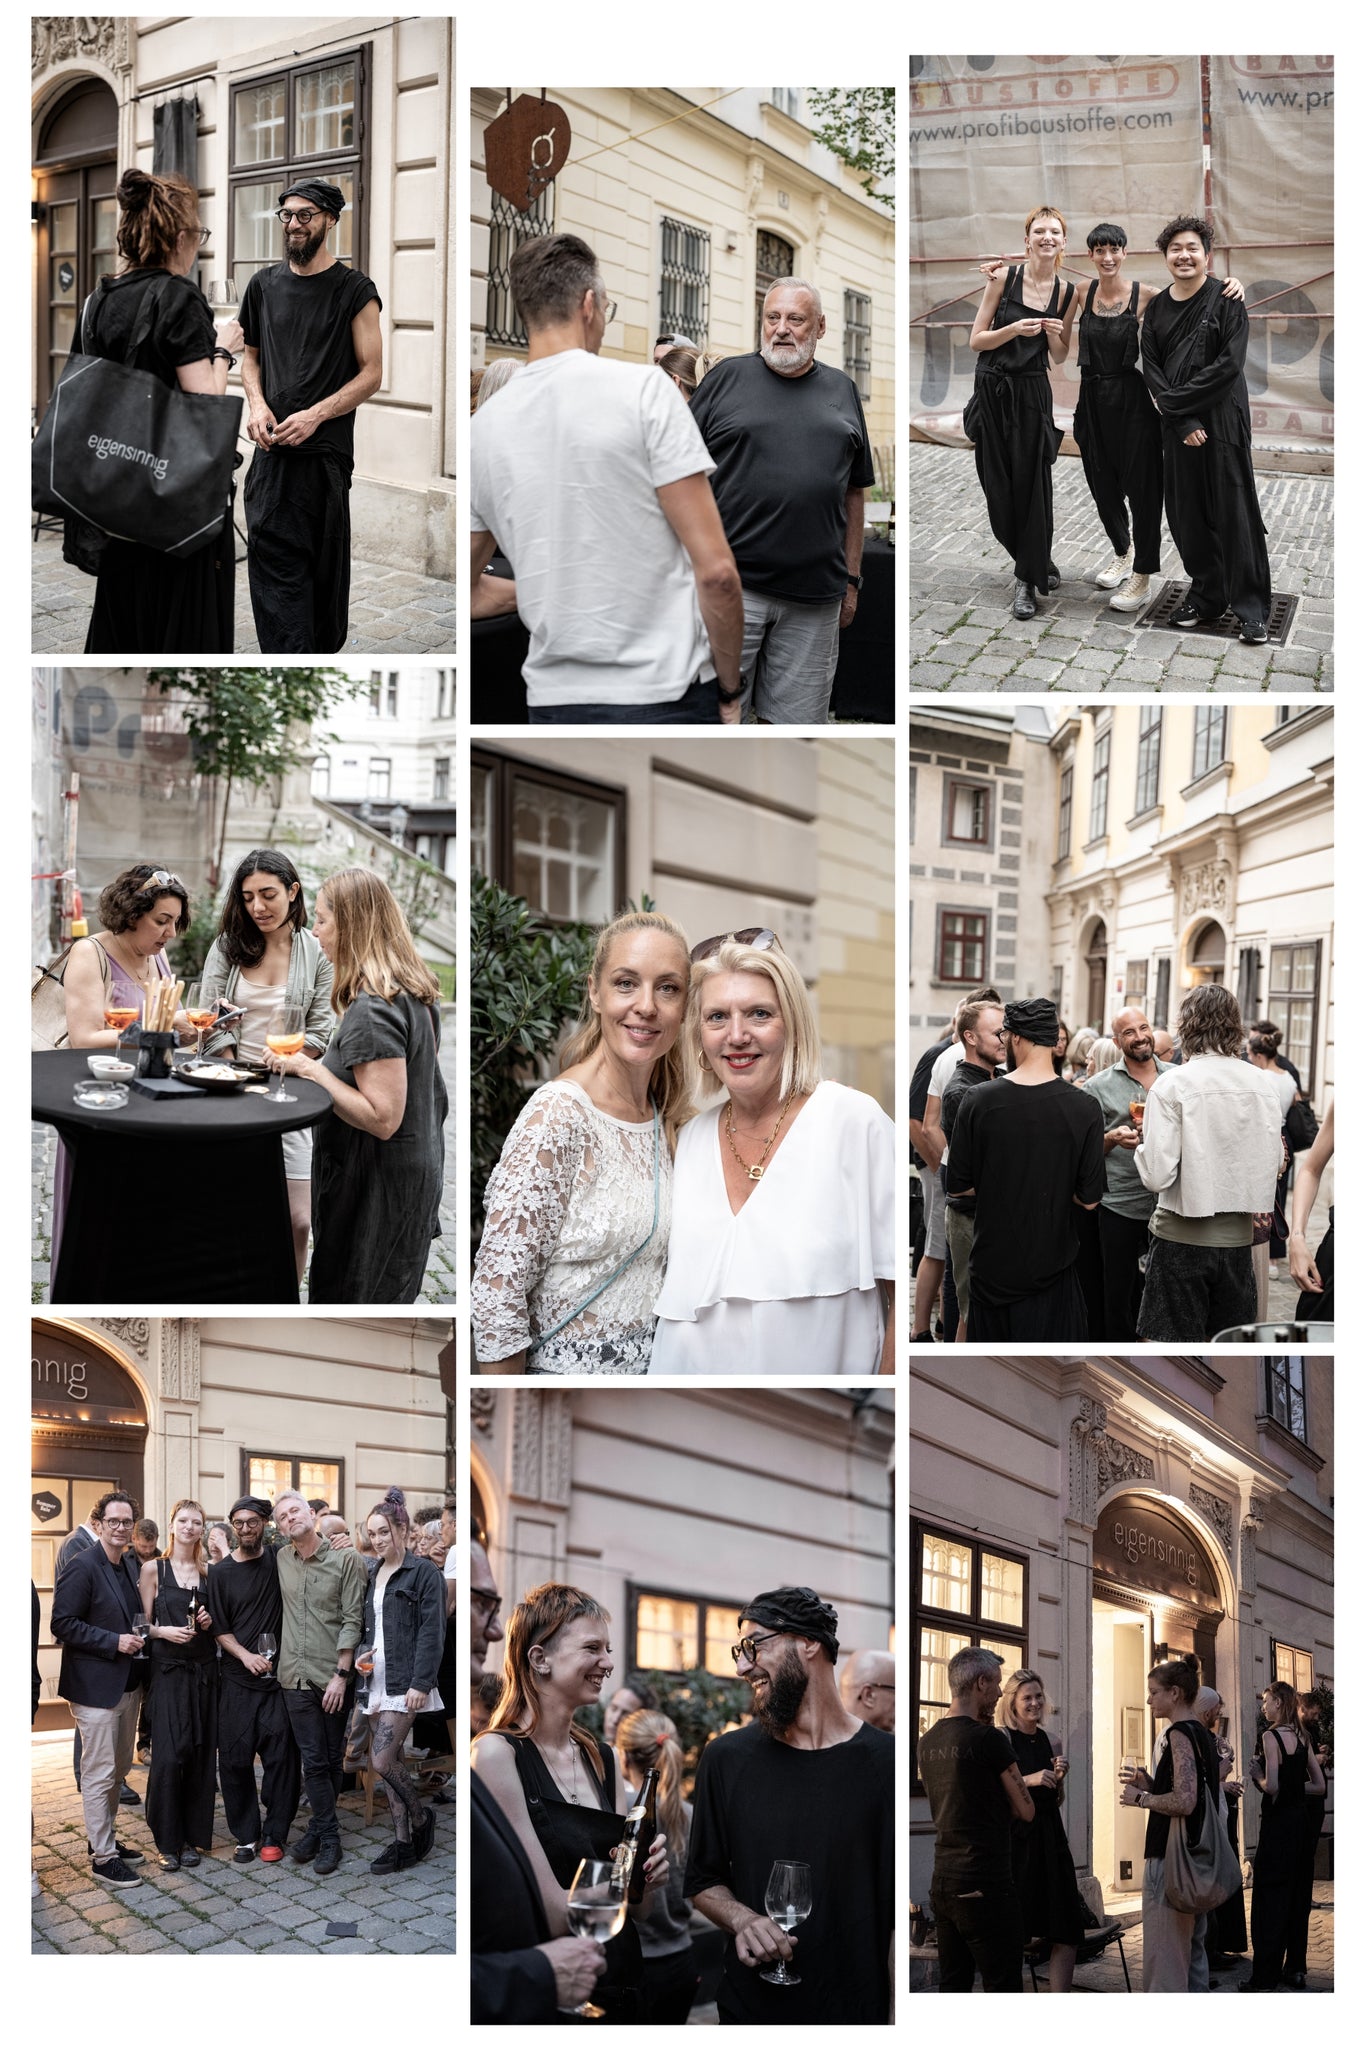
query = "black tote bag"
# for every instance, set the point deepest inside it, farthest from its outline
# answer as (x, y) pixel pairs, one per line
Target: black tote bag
(138, 459)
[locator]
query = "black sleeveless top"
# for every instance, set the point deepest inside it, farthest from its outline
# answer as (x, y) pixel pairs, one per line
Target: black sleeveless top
(1292, 1777)
(1206, 1773)
(1107, 343)
(1023, 353)
(171, 1609)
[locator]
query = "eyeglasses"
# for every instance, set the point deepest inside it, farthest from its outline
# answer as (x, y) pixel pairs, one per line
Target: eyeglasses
(247, 1522)
(609, 308)
(117, 1522)
(302, 214)
(756, 935)
(747, 1645)
(492, 1604)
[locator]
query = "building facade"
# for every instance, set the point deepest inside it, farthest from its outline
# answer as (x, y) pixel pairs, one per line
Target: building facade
(673, 1508)
(1194, 843)
(696, 201)
(1086, 1517)
(207, 1408)
(793, 834)
(237, 104)
(387, 757)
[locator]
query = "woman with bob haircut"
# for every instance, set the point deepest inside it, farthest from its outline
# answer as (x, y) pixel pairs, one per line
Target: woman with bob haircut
(577, 1210)
(557, 1784)
(147, 602)
(378, 1160)
(1044, 1874)
(1289, 1775)
(182, 1702)
(781, 1256)
(405, 1628)
(1185, 1773)
(264, 956)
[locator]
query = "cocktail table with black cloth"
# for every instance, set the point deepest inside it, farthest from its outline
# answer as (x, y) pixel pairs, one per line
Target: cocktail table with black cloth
(172, 1199)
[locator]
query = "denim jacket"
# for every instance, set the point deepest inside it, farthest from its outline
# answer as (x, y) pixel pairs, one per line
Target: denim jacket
(414, 1622)
(309, 982)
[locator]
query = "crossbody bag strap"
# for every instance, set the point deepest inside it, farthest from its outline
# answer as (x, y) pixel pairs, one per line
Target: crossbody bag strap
(616, 1271)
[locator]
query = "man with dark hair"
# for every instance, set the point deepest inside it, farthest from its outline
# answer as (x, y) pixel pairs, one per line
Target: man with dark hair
(1194, 347)
(975, 1790)
(518, 1975)
(314, 353)
(593, 479)
(805, 1782)
(323, 1603)
(253, 1721)
(95, 1603)
(1211, 1151)
(1027, 1149)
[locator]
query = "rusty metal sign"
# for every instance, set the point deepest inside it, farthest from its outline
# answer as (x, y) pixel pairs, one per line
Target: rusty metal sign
(524, 147)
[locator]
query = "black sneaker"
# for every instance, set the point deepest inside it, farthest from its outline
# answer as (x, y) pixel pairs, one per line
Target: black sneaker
(120, 1849)
(398, 1856)
(1187, 615)
(245, 1852)
(329, 1856)
(1253, 631)
(424, 1836)
(306, 1848)
(116, 1872)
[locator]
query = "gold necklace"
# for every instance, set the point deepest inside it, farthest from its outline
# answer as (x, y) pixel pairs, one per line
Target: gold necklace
(755, 1172)
(133, 975)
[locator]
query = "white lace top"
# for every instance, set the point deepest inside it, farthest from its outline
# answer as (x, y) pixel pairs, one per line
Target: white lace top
(570, 1198)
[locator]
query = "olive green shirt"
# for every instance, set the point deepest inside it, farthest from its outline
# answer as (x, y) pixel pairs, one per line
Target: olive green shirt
(1114, 1088)
(324, 1606)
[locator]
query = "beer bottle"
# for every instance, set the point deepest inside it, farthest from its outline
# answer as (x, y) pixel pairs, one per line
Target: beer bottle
(641, 1829)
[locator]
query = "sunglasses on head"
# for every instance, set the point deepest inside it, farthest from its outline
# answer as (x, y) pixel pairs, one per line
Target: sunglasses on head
(757, 936)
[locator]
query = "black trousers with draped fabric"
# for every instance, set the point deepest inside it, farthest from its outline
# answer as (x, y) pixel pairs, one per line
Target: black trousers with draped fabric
(1016, 445)
(254, 1722)
(1119, 433)
(298, 509)
(182, 1705)
(1216, 522)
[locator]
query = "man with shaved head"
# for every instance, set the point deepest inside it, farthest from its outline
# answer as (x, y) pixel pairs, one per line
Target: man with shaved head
(1126, 1204)
(868, 1688)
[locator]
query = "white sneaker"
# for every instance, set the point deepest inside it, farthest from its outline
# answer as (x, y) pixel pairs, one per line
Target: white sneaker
(1111, 578)
(1132, 597)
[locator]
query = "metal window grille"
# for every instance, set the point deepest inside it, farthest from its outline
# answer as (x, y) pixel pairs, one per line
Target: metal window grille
(508, 229)
(773, 260)
(684, 279)
(858, 341)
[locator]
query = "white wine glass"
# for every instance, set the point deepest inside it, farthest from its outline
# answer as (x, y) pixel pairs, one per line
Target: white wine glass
(597, 1908)
(266, 1647)
(285, 1035)
(787, 1902)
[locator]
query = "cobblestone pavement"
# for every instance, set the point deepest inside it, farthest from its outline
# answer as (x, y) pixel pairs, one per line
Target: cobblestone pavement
(224, 1908)
(1107, 1972)
(962, 636)
(439, 1282)
(393, 611)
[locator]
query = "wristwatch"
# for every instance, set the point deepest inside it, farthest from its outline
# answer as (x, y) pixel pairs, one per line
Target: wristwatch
(731, 696)
(341, 1673)
(856, 581)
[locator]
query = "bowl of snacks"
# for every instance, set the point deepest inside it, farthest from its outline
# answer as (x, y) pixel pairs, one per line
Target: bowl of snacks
(106, 1066)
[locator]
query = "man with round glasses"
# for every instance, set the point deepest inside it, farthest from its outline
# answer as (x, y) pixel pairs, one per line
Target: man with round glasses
(804, 1783)
(253, 1720)
(313, 354)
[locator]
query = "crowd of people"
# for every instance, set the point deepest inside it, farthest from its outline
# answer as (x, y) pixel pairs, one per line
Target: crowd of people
(807, 1778)
(366, 1180)
(627, 1230)
(1107, 1189)
(686, 536)
(1162, 416)
(1004, 1883)
(309, 1650)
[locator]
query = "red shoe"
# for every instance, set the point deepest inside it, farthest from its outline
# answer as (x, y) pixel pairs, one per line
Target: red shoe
(271, 1852)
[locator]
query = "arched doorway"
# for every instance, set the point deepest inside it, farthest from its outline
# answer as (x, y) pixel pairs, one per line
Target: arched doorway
(1097, 961)
(89, 1425)
(75, 171)
(1205, 955)
(1155, 1592)
(774, 259)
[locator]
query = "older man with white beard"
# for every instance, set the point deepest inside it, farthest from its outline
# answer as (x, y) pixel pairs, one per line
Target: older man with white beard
(793, 459)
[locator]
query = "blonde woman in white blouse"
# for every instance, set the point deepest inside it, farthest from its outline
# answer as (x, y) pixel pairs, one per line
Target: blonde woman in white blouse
(782, 1253)
(577, 1210)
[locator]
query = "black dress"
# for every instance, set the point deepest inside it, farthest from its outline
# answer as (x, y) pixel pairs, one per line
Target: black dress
(568, 1833)
(377, 1201)
(1041, 1862)
(182, 1706)
(1009, 420)
(1119, 432)
(1277, 1864)
(1193, 355)
(147, 602)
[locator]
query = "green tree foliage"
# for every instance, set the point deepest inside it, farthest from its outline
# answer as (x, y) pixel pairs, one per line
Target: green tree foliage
(858, 122)
(699, 1705)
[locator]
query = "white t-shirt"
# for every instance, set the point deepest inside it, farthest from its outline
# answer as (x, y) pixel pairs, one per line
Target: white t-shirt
(564, 466)
(942, 1072)
(451, 1563)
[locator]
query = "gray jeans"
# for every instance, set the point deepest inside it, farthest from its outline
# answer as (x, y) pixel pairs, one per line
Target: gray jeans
(791, 654)
(1174, 1956)
(107, 1736)
(958, 1238)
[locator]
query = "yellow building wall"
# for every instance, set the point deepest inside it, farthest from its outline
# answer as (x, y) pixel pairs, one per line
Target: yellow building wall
(856, 908)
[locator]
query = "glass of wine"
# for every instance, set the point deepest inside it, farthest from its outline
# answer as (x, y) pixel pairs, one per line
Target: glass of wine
(200, 1014)
(285, 1035)
(787, 1902)
(222, 291)
(598, 1909)
(266, 1646)
(121, 1014)
(1136, 1113)
(142, 1628)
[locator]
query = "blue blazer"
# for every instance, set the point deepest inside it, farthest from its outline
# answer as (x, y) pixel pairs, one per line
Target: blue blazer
(94, 1603)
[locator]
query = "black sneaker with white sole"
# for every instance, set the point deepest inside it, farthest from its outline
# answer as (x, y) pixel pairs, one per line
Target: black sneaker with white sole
(1187, 615)
(1253, 631)
(245, 1852)
(122, 1849)
(115, 1872)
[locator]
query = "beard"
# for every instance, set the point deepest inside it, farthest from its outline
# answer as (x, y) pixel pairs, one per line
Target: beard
(790, 357)
(250, 1546)
(786, 1691)
(303, 252)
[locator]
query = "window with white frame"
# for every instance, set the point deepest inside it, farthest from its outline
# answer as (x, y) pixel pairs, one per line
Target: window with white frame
(858, 342)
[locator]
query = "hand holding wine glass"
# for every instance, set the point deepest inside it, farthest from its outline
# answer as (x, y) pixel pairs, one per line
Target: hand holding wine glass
(199, 1013)
(285, 1038)
(787, 1902)
(597, 1908)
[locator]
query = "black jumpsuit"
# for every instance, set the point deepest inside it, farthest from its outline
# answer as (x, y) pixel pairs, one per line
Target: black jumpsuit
(1277, 1870)
(1119, 432)
(182, 1707)
(1009, 419)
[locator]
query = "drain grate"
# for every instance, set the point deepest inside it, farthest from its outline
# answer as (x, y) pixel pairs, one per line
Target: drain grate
(1164, 609)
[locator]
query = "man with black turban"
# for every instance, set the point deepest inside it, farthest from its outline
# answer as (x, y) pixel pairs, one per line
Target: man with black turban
(1031, 1150)
(806, 1782)
(244, 1600)
(313, 354)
